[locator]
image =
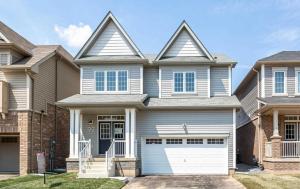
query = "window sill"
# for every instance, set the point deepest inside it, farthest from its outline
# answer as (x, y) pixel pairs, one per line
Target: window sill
(112, 92)
(183, 94)
(279, 94)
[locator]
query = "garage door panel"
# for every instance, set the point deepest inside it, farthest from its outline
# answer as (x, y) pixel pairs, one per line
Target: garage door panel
(184, 158)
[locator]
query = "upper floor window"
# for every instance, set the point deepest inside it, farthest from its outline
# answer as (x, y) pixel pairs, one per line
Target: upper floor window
(297, 79)
(279, 81)
(4, 58)
(111, 81)
(184, 82)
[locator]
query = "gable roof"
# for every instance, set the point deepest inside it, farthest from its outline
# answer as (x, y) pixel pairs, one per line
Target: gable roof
(108, 19)
(10, 36)
(184, 29)
(283, 56)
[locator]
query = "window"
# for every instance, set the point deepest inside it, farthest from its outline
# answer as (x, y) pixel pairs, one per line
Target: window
(105, 132)
(194, 141)
(111, 81)
(184, 82)
(4, 58)
(297, 79)
(290, 129)
(174, 141)
(215, 141)
(119, 130)
(279, 81)
(153, 141)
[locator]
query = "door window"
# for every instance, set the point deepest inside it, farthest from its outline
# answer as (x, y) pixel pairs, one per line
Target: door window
(105, 131)
(119, 130)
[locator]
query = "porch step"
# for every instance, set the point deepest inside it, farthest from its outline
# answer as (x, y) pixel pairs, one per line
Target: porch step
(92, 175)
(95, 163)
(97, 159)
(94, 168)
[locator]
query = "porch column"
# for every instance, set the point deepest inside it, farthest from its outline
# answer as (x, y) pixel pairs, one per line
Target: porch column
(276, 138)
(132, 133)
(72, 151)
(275, 123)
(127, 133)
(76, 131)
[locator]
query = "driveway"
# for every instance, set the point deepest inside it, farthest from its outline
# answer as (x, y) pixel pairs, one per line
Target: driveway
(4, 176)
(184, 182)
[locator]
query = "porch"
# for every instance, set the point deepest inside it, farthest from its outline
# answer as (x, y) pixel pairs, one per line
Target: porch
(281, 133)
(100, 137)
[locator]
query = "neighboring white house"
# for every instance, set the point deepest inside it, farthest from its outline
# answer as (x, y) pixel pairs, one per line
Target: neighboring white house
(171, 113)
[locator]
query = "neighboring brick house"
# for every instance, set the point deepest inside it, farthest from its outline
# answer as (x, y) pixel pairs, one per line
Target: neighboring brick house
(268, 130)
(32, 79)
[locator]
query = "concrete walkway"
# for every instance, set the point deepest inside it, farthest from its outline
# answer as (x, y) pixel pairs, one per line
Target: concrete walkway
(4, 176)
(184, 182)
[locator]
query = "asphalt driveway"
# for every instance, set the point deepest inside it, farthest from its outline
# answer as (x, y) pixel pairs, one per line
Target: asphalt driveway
(184, 182)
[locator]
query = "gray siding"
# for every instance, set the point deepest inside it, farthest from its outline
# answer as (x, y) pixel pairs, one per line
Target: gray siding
(219, 81)
(247, 97)
(167, 80)
(90, 132)
(17, 89)
(152, 123)
(151, 84)
(133, 74)
(290, 80)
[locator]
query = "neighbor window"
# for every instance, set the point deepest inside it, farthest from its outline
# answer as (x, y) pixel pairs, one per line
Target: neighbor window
(279, 80)
(297, 79)
(184, 82)
(153, 141)
(194, 141)
(290, 129)
(111, 81)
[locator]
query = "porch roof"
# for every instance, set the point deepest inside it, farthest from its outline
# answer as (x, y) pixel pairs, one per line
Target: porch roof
(280, 100)
(194, 103)
(98, 99)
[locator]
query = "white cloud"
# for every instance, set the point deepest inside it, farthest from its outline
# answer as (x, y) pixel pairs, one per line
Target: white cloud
(288, 35)
(74, 35)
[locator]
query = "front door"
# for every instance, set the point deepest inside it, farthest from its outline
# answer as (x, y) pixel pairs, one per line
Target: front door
(105, 136)
(109, 131)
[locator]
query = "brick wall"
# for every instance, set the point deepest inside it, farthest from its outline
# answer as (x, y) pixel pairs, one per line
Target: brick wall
(247, 142)
(36, 131)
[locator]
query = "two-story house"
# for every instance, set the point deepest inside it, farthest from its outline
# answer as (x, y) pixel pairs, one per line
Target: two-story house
(171, 113)
(269, 121)
(32, 79)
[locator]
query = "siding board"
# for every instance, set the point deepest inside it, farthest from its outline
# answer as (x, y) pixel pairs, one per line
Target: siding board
(219, 81)
(151, 85)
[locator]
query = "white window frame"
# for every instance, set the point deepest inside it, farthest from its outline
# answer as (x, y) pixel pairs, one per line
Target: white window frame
(297, 70)
(184, 83)
(105, 82)
(279, 69)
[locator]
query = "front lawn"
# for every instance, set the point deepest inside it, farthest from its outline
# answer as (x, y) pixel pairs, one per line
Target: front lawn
(269, 180)
(65, 180)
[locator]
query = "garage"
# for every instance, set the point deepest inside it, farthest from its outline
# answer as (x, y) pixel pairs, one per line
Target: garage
(9, 154)
(184, 156)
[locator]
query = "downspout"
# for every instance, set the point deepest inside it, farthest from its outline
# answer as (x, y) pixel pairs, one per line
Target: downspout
(259, 120)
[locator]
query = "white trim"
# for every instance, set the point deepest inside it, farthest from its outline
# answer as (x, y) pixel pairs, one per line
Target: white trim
(297, 70)
(127, 133)
(72, 140)
(100, 28)
(132, 133)
(3, 37)
(141, 80)
(76, 132)
(263, 81)
(234, 137)
(184, 83)
(159, 82)
(279, 69)
(105, 82)
(275, 123)
(28, 88)
(174, 37)
(81, 71)
(230, 80)
(208, 82)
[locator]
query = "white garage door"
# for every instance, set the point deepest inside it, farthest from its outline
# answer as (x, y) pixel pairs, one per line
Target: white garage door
(184, 156)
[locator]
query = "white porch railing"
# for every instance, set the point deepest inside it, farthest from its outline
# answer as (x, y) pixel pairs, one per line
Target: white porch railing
(268, 149)
(84, 154)
(117, 148)
(290, 149)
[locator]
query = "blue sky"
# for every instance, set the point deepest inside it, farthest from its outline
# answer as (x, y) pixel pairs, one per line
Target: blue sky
(244, 30)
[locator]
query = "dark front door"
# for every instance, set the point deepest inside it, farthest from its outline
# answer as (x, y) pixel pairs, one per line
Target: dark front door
(105, 136)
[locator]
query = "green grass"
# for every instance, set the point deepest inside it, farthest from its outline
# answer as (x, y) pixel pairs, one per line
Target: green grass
(65, 180)
(268, 180)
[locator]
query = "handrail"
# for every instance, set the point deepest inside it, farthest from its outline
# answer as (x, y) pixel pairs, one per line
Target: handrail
(84, 154)
(290, 149)
(109, 155)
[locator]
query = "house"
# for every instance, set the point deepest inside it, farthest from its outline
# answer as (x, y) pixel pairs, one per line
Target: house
(136, 114)
(269, 121)
(32, 78)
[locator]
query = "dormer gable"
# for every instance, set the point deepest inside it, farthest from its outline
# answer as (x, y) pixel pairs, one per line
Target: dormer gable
(184, 43)
(109, 39)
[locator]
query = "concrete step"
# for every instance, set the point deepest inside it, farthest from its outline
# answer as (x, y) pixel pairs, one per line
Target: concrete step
(95, 167)
(98, 159)
(97, 163)
(99, 171)
(92, 175)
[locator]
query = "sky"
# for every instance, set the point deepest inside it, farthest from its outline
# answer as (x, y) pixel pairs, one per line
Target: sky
(244, 30)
